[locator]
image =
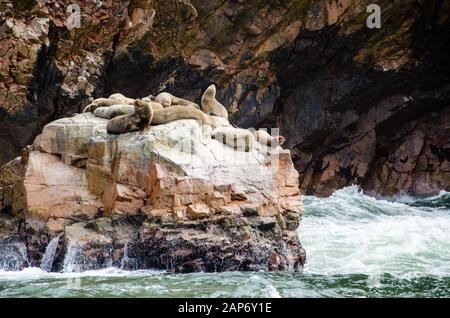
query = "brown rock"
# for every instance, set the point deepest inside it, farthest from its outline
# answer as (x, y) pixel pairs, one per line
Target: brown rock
(198, 211)
(54, 189)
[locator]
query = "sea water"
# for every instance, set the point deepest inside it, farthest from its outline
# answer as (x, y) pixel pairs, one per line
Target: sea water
(357, 246)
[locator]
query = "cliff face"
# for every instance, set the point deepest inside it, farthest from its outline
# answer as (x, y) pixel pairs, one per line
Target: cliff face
(357, 105)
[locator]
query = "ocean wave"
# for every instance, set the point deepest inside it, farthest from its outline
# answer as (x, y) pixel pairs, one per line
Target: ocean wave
(350, 233)
(351, 203)
(439, 201)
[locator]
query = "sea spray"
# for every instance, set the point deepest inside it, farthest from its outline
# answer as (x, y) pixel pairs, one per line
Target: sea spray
(83, 257)
(74, 255)
(49, 255)
(125, 258)
(128, 262)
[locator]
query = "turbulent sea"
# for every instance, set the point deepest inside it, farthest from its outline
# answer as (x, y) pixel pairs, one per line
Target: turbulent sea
(357, 246)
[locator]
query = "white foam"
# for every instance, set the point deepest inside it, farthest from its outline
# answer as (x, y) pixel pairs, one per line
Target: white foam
(351, 233)
(36, 272)
(49, 255)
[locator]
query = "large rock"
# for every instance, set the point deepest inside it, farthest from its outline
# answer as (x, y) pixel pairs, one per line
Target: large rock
(171, 197)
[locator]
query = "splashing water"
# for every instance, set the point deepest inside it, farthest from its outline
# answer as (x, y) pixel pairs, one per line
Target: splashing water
(73, 258)
(357, 246)
(350, 233)
(125, 259)
(78, 260)
(49, 255)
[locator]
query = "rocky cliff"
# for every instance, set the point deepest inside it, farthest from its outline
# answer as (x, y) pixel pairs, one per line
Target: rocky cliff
(168, 197)
(357, 105)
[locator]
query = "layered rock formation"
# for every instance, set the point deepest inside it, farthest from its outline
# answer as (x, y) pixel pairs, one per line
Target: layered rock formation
(357, 105)
(169, 197)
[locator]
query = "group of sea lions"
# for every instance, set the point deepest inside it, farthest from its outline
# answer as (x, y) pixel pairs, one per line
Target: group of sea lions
(127, 115)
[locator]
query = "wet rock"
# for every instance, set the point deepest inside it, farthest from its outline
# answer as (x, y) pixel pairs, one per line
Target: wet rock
(13, 256)
(13, 249)
(86, 249)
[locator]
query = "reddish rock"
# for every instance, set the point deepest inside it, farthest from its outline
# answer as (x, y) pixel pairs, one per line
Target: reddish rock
(168, 197)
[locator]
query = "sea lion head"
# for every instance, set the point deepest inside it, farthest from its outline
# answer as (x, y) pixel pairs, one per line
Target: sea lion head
(101, 112)
(211, 90)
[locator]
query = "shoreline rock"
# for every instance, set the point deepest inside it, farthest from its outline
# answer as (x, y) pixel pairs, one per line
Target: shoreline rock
(169, 197)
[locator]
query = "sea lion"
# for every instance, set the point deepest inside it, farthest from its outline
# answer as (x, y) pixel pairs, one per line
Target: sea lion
(123, 124)
(138, 120)
(101, 102)
(267, 140)
(122, 98)
(156, 105)
(164, 99)
(114, 111)
(167, 99)
(237, 138)
(210, 105)
(220, 121)
(149, 103)
(145, 112)
(169, 114)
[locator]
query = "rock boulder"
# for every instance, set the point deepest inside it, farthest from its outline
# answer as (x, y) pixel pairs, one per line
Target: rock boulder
(169, 197)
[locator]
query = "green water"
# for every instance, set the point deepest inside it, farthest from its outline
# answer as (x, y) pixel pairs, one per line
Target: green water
(357, 246)
(273, 285)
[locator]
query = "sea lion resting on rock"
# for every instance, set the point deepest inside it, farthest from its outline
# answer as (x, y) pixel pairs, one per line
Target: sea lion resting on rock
(167, 99)
(169, 114)
(237, 138)
(146, 113)
(114, 111)
(154, 105)
(122, 98)
(114, 99)
(100, 102)
(138, 120)
(220, 121)
(210, 105)
(103, 102)
(267, 140)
